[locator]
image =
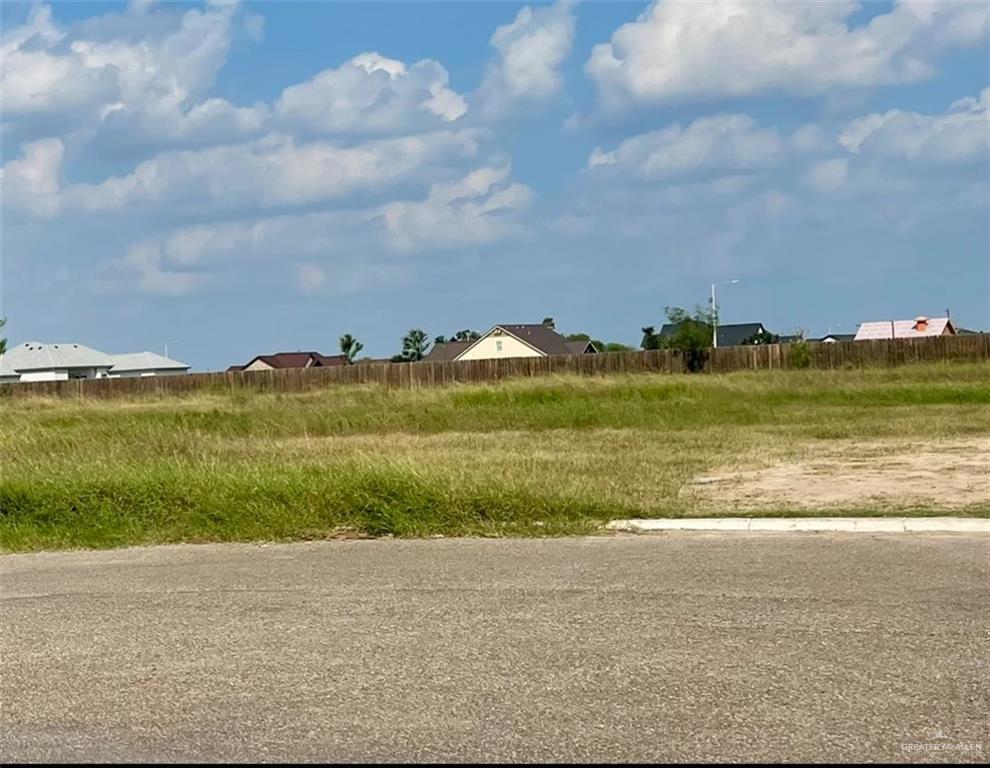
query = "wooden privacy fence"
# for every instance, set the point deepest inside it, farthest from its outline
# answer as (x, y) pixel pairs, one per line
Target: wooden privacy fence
(723, 360)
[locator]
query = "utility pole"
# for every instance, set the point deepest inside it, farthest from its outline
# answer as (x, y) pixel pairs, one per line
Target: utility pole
(715, 310)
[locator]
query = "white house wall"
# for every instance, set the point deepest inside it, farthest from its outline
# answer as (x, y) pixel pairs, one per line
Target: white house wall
(488, 348)
(62, 375)
(146, 373)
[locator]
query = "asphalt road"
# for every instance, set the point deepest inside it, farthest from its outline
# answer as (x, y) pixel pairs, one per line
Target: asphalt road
(677, 647)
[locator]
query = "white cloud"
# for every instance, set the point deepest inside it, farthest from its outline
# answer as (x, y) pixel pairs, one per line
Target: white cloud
(480, 208)
(531, 51)
(144, 262)
(272, 172)
(372, 93)
(828, 175)
(721, 143)
(338, 251)
(691, 49)
(811, 138)
(125, 79)
(310, 277)
(45, 71)
(35, 79)
(959, 136)
(32, 181)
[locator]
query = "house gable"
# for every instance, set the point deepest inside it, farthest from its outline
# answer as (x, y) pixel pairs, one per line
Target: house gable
(499, 343)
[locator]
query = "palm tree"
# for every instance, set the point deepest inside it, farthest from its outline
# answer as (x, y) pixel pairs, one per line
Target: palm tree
(349, 347)
(414, 345)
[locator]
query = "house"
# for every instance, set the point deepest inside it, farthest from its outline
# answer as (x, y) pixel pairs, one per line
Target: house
(139, 364)
(282, 360)
(538, 340)
(582, 347)
(835, 338)
(446, 351)
(37, 361)
(919, 328)
(732, 335)
(42, 361)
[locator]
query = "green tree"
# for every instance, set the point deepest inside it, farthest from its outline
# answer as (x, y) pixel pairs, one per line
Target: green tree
(762, 337)
(3, 340)
(692, 336)
(548, 321)
(349, 347)
(465, 335)
(650, 338)
(615, 346)
(414, 345)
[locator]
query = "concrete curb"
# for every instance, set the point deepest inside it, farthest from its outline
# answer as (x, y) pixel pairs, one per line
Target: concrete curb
(809, 524)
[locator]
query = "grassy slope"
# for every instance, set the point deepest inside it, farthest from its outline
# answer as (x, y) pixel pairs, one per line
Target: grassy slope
(544, 456)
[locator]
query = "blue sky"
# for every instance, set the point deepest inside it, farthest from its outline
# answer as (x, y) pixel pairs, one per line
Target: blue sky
(242, 179)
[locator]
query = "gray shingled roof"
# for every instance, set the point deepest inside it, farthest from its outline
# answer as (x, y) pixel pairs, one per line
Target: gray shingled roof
(38, 356)
(145, 361)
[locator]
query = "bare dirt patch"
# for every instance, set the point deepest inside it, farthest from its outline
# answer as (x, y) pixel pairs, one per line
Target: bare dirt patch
(944, 475)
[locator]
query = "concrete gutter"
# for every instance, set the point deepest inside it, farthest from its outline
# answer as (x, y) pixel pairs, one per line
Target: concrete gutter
(808, 524)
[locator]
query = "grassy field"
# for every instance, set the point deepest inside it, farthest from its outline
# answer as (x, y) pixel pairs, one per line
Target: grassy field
(526, 457)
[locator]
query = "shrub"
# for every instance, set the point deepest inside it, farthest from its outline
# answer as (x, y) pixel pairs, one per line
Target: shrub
(800, 355)
(692, 336)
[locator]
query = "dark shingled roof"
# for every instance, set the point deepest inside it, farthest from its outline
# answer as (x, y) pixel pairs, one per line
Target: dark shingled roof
(837, 337)
(582, 347)
(441, 353)
(728, 335)
(542, 337)
(295, 360)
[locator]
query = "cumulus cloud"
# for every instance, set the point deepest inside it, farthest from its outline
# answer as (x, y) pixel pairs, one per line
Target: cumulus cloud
(334, 251)
(372, 93)
(697, 49)
(88, 75)
(478, 209)
(959, 136)
(722, 143)
(32, 182)
(530, 52)
(268, 173)
(143, 267)
(811, 138)
(827, 175)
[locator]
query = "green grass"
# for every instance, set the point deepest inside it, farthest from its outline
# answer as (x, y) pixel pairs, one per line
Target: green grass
(526, 457)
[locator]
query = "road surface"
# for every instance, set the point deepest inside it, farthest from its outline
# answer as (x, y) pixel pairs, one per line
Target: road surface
(684, 646)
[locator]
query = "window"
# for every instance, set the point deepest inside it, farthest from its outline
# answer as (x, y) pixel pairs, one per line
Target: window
(498, 345)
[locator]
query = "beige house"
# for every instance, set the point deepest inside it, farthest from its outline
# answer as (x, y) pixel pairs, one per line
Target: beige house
(504, 341)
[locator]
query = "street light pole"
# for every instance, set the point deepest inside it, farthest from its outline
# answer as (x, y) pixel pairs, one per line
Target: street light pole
(714, 320)
(174, 341)
(715, 310)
